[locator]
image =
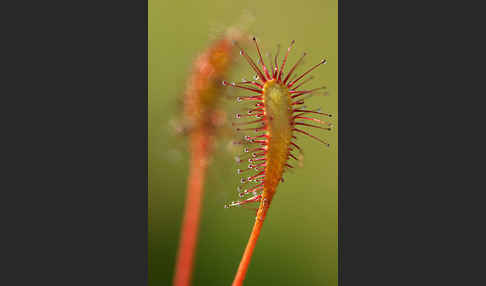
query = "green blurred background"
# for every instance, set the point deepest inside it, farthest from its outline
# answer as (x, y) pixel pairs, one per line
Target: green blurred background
(298, 243)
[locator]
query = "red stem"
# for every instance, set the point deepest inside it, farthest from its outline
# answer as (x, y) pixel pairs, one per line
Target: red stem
(255, 233)
(190, 225)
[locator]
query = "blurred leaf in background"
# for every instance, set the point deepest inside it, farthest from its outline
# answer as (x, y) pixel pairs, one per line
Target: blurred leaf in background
(298, 243)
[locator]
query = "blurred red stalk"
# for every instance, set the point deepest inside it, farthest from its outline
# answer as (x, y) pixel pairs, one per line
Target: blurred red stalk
(190, 225)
